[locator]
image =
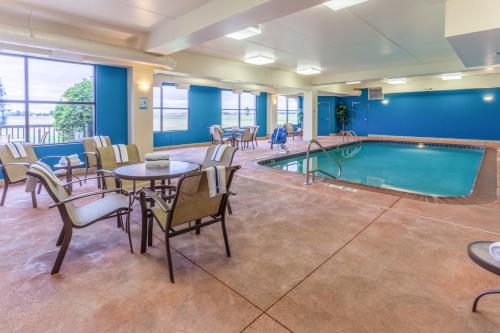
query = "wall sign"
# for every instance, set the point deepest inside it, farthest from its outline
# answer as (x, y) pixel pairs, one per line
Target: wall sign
(143, 103)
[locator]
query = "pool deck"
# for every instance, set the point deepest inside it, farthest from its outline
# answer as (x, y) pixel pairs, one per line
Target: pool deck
(306, 258)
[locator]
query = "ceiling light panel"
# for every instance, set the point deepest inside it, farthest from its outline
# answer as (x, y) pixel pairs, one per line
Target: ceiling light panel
(341, 4)
(259, 60)
(353, 82)
(308, 70)
(400, 80)
(451, 76)
(245, 33)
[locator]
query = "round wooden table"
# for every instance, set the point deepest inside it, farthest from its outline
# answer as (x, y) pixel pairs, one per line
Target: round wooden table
(139, 172)
(479, 253)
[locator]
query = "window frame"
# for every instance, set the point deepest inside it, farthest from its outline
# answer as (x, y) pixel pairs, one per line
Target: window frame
(26, 101)
(287, 110)
(161, 108)
(239, 108)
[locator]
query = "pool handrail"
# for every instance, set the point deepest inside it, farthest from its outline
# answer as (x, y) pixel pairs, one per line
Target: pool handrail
(350, 133)
(308, 157)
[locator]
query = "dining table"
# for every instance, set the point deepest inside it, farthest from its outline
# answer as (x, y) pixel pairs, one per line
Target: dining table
(233, 134)
(140, 172)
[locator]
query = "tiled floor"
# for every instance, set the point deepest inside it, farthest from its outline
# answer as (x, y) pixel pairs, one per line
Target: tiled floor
(304, 259)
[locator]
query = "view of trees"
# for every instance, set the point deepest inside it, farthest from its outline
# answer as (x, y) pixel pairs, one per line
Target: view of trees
(71, 120)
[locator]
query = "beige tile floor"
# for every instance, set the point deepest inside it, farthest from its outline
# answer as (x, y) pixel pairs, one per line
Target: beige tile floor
(305, 259)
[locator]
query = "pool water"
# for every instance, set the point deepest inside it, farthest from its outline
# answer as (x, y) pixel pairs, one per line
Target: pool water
(429, 169)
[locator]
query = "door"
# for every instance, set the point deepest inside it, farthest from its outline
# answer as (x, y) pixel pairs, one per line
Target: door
(359, 118)
(323, 119)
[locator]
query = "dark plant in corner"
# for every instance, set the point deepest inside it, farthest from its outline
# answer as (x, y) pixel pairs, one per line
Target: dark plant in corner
(342, 114)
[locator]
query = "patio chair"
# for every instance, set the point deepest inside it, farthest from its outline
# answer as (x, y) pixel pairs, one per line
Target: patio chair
(217, 134)
(246, 138)
(290, 130)
(255, 132)
(106, 163)
(116, 204)
(90, 152)
(14, 169)
(278, 137)
(192, 202)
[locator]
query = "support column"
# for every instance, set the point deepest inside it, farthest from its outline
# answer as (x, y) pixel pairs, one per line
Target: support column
(140, 122)
(272, 112)
(310, 125)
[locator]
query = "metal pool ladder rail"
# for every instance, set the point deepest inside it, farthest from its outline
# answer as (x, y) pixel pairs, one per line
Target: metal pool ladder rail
(347, 135)
(313, 172)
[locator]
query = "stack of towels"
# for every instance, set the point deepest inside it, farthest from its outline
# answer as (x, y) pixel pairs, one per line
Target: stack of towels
(495, 250)
(157, 160)
(73, 160)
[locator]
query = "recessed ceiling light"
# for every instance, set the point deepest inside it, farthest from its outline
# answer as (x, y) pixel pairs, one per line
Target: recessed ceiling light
(259, 60)
(245, 33)
(451, 76)
(353, 82)
(341, 4)
(400, 80)
(488, 98)
(308, 70)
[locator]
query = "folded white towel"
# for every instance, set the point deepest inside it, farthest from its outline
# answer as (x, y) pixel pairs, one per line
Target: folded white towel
(121, 154)
(219, 152)
(46, 170)
(216, 177)
(157, 156)
(495, 250)
(158, 164)
(17, 150)
(100, 141)
(73, 160)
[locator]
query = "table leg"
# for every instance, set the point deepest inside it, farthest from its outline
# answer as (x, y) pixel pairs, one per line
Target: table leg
(484, 293)
(144, 230)
(150, 219)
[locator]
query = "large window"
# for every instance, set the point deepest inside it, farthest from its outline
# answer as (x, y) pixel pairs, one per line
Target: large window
(45, 101)
(288, 107)
(170, 108)
(238, 110)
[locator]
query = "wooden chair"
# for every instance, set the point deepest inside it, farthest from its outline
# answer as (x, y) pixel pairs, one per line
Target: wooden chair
(116, 204)
(191, 203)
(14, 169)
(246, 138)
(90, 152)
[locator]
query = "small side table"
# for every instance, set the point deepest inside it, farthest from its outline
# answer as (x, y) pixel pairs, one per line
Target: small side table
(69, 172)
(479, 253)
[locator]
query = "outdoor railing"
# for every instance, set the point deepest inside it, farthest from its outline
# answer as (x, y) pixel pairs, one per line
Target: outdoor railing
(38, 134)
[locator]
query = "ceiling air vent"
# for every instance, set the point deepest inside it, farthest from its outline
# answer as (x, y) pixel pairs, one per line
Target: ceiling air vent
(375, 93)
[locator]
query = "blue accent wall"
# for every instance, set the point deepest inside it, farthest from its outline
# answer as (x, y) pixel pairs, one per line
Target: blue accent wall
(112, 103)
(204, 111)
(460, 114)
(332, 101)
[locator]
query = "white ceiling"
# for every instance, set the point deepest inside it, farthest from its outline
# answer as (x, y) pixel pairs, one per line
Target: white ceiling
(370, 36)
(375, 34)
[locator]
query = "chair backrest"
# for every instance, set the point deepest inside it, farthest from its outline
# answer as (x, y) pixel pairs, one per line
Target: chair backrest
(255, 131)
(107, 160)
(192, 200)
(279, 135)
(89, 146)
(226, 159)
(45, 175)
(289, 128)
(217, 133)
(16, 173)
(247, 134)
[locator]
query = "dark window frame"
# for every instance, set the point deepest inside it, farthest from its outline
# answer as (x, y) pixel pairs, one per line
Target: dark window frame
(239, 109)
(26, 101)
(287, 110)
(162, 108)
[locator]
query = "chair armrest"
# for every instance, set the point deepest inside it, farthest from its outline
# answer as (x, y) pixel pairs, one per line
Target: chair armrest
(85, 195)
(47, 157)
(27, 165)
(78, 181)
(156, 198)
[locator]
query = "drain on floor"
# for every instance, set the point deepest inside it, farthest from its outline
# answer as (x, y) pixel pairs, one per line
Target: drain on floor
(344, 188)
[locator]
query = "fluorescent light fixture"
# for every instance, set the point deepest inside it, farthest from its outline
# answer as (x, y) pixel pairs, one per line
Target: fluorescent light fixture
(308, 70)
(353, 82)
(341, 4)
(385, 101)
(259, 60)
(488, 98)
(400, 80)
(451, 76)
(245, 33)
